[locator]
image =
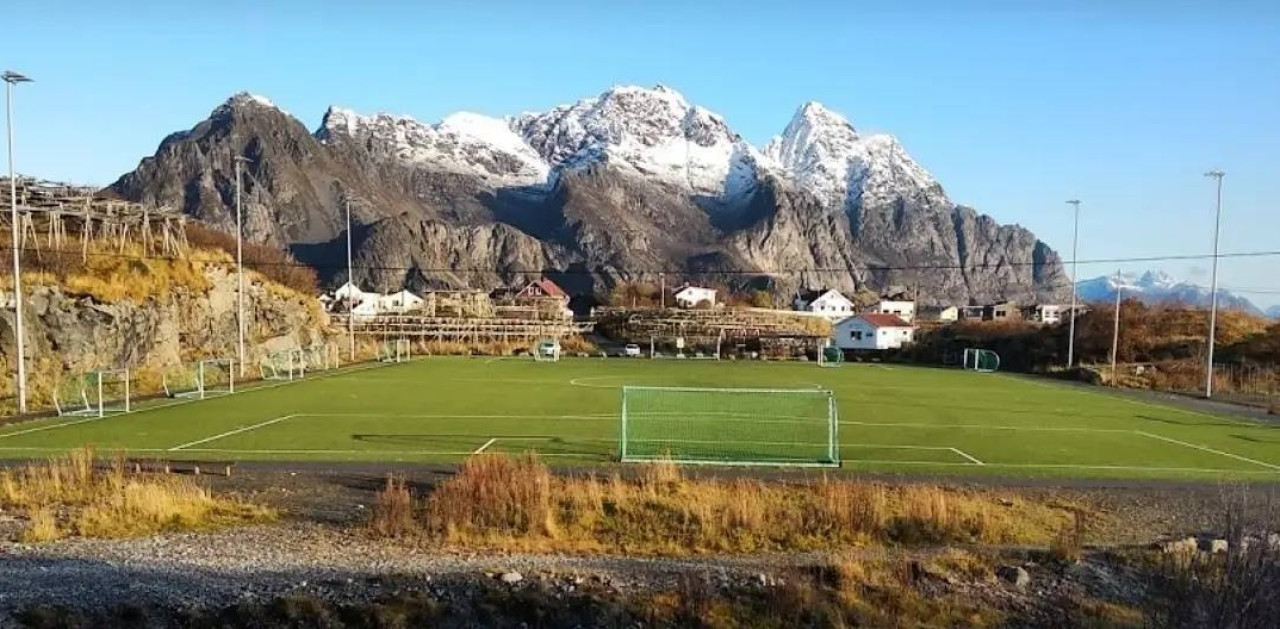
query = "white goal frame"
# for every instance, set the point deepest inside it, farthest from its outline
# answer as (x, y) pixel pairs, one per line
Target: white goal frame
(394, 351)
(547, 357)
(973, 360)
(88, 398)
(288, 364)
(832, 458)
(201, 387)
(823, 361)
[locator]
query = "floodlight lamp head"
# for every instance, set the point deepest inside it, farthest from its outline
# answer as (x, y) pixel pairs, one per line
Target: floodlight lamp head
(12, 77)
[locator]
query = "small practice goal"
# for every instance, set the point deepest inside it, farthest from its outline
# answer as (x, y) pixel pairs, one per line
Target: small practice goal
(981, 360)
(780, 427)
(546, 351)
(394, 351)
(200, 379)
(830, 356)
(289, 364)
(95, 394)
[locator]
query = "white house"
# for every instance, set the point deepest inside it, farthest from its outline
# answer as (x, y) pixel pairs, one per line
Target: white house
(352, 291)
(366, 309)
(403, 301)
(827, 303)
(691, 296)
(873, 331)
(905, 310)
(938, 314)
(1048, 314)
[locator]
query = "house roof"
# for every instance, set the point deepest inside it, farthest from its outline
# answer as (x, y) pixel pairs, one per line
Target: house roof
(884, 320)
(685, 288)
(548, 287)
(810, 296)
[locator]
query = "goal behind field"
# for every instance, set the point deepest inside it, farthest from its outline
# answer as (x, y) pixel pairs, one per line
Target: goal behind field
(201, 379)
(780, 427)
(830, 356)
(981, 360)
(289, 364)
(546, 351)
(394, 351)
(95, 394)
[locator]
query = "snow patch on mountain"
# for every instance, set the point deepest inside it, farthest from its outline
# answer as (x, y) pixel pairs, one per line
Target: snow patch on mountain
(1158, 287)
(465, 142)
(1273, 312)
(653, 131)
(823, 152)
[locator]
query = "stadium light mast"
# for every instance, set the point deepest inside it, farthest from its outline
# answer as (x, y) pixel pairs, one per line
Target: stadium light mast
(12, 78)
(1075, 277)
(1115, 333)
(351, 320)
(239, 160)
(1213, 286)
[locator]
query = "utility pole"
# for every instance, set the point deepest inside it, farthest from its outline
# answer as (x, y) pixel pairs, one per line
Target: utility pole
(1075, 277)
(239, 160)
(12, 78)
(662, 290)
(351, 320)
(1213, 286)
(1115, 333)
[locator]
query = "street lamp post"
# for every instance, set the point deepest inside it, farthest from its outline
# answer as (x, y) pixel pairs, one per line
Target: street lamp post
(1213, 286)
(351, 319)
(239, 160)
(1075, 257)
(1115, 334)
(12, 78)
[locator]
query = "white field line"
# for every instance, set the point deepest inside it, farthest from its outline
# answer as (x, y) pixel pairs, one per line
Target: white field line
(1121, 398)
(447, 416)
(1207, 449)
(485, 446)
(987, 427)
(966, 455)
(232, 432)
(180, 402)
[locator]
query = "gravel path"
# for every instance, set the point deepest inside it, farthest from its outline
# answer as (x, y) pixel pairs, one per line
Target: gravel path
(259, 563)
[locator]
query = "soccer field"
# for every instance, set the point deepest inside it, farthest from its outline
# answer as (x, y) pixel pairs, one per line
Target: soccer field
(891, 419)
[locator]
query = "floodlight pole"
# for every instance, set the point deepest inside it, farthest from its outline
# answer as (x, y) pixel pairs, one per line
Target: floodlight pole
(12, 78)
(1213, 286)
(662, 290)
(351, 320)
(1115, 333)
(1075, 277)
(239, 159)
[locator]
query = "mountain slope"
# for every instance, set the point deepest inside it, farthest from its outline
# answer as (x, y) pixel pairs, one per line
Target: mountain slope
(624, 185)
(1156, 287)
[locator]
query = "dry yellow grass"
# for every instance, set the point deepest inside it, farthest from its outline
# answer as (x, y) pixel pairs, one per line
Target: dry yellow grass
(90, 501)
(515, 503)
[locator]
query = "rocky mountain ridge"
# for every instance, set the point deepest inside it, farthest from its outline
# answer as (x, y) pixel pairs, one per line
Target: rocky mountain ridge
(623, 186)
(1158, 287)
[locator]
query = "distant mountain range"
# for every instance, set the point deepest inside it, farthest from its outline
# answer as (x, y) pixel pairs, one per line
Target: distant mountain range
(1274, 312)
(1157, 287)
(605, 189)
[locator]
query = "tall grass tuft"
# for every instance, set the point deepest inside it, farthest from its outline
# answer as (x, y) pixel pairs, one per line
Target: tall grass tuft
(102, 501)
(494, 495)
(393, 509)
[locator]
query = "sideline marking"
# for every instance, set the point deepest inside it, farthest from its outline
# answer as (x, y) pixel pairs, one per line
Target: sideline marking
(485, 446)
(231, 432)
(966, 455)
(1207, 449)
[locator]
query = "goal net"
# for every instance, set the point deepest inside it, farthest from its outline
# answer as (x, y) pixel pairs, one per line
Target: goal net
(546, 351)
(321, 358)
(95, 394)
(289, 364)
(200, 379)
(685, 347)
(395, 351)
(830, 356)
(785, 427)
(981, 360)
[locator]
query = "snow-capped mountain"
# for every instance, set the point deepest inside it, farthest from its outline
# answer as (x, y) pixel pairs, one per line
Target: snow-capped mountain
(1158, 287)
(822, 152)
(1273, 312)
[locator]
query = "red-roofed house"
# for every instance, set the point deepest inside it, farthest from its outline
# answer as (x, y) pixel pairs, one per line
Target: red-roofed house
(873, 331)
(541, 288)
(547, 297)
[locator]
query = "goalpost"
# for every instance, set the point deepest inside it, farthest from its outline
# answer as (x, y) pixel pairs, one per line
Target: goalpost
(289, 364)
(394, 351)
(94, 394)
(981, 360)
(321, 358)
(830, 356)
(546, 351)
(200, 379)
(781, 427)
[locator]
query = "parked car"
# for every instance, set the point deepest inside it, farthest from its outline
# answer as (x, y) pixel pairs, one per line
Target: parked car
(631, 350)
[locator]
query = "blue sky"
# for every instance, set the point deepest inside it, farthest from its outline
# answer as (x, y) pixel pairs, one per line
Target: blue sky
(1122, 104)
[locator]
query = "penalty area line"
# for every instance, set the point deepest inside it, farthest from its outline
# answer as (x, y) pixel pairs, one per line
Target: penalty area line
(231, 432)
(485, 446)
(1207, 449)
(967, 456)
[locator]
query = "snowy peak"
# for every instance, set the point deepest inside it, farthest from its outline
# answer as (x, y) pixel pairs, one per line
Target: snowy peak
(1158, 287)
(822, 151)
(654, 131)
(464, 142)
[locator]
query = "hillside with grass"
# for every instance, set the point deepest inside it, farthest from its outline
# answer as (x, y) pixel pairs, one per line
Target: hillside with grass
(106, 306)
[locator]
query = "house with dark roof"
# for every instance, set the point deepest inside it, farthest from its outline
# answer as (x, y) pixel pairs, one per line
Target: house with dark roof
(827, 303)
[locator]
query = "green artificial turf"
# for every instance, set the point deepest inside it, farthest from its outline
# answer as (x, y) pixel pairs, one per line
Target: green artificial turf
(892, 419)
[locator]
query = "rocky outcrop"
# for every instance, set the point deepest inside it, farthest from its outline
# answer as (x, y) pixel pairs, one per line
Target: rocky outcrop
(630, 184)
(67, 334)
